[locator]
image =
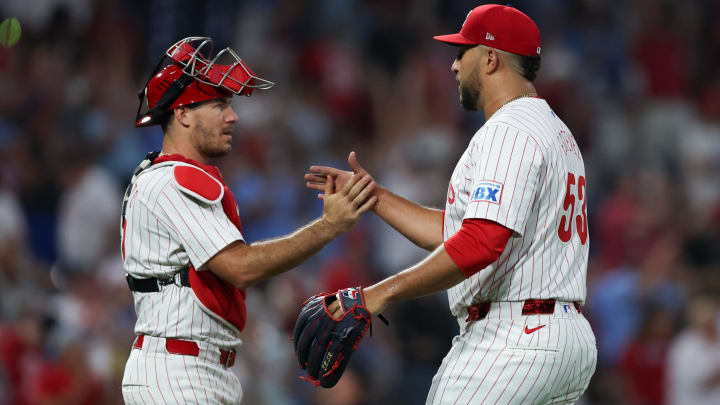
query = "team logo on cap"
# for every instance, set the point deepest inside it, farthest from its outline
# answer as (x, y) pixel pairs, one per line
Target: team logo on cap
(538, 50)
(490, 37)
(488, 191)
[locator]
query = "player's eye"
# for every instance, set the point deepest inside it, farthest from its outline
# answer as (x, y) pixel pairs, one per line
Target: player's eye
(462, 50)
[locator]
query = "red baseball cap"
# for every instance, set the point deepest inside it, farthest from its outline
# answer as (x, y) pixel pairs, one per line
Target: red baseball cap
(500, 27)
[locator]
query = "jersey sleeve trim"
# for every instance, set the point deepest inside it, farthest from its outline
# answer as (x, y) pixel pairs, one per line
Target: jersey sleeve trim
(477, 244)
(198, 184)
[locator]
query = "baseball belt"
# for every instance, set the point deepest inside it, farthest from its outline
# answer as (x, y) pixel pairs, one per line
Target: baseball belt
(530, 307)
(190, 348)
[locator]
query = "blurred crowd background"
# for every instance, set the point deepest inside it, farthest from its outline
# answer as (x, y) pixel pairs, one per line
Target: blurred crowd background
(638, 83)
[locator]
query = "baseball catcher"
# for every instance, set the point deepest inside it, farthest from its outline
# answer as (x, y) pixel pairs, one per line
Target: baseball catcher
(186, 260)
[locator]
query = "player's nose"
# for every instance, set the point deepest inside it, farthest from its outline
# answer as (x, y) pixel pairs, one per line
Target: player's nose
(455, 67)
(230, 115)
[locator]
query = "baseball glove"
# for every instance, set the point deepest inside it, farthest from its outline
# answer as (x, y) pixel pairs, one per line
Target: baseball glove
(324, 344)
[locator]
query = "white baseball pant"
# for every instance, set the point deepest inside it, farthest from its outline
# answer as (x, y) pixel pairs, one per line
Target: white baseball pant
(155, 376)
(508, 358)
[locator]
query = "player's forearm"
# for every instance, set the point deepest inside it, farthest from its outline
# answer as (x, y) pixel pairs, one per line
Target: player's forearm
(421, 225)
(436, 273)
(259, 261)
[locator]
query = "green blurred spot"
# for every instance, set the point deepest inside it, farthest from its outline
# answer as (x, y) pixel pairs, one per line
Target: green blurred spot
(10, 32)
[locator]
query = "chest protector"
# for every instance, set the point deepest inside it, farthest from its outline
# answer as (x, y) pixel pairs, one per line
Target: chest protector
(218, 296)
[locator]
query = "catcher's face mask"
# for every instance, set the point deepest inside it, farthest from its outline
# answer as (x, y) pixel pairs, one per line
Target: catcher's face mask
(191, 78)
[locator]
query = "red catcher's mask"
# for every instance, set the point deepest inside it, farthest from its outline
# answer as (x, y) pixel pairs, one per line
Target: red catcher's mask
(193, 78)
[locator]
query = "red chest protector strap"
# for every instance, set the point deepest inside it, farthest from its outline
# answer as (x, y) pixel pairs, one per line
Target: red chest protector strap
(217, 295)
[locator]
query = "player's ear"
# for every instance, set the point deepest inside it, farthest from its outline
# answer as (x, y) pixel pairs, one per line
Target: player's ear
(181, 115)
(492, 60)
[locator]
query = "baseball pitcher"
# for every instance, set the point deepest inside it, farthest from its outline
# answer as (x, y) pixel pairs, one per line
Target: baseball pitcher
(511, 246)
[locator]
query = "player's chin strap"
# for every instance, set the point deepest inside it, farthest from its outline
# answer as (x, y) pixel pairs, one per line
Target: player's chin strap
(170, 95)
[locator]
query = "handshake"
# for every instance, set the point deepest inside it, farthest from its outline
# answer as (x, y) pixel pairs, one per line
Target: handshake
(330, 326)
(347, 195)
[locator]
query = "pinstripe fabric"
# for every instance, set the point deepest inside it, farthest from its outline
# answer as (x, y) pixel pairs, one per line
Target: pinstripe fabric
(155, 376)
(517, 171)
(494, 361)
(520, 147)
(166, 230)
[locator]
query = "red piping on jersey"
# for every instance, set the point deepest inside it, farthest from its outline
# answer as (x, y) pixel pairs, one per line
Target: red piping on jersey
(122, 242)
(477, 244)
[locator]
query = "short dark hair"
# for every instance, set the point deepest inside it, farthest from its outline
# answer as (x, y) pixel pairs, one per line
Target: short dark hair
(525, 66)
(165, 120)
(530, 66)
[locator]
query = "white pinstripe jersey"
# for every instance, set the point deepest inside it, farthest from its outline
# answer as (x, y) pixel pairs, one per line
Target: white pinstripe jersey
(523, 170)
(166, 231)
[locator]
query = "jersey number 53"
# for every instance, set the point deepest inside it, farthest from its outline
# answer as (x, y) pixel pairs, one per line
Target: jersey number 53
(568, 218)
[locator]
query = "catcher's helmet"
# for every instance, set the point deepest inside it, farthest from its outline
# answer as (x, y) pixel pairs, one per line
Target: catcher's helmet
(191, 78)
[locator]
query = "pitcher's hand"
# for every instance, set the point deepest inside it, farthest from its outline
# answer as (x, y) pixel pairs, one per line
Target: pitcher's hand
(317, 178)
(342, 209)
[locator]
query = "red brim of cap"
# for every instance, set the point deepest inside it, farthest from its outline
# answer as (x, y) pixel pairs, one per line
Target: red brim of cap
(455, 39)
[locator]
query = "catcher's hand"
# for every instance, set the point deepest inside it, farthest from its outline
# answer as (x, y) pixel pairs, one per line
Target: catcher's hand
(323, 343)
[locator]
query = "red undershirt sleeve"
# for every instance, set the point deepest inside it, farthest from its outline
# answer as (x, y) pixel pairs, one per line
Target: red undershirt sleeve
(477, 244)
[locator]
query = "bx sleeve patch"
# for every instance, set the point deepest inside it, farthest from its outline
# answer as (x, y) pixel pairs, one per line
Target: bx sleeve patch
(198, 184)
(487, 191)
